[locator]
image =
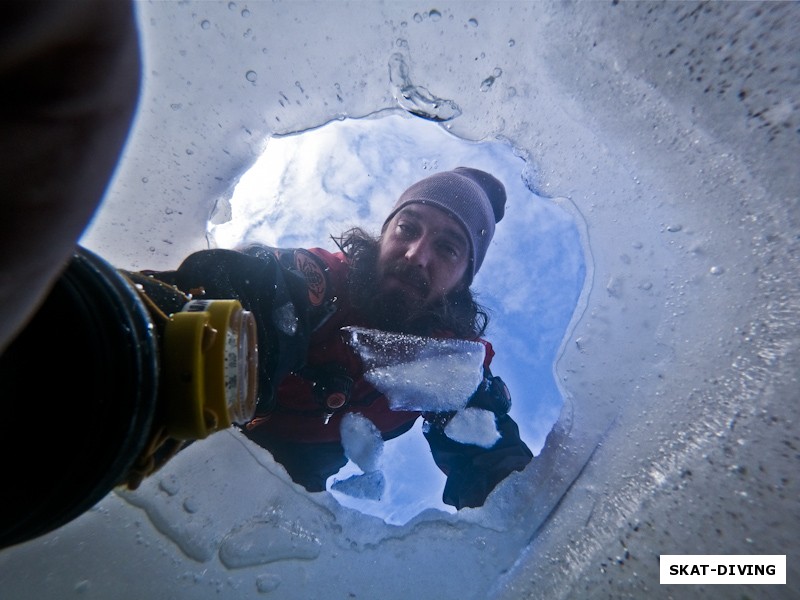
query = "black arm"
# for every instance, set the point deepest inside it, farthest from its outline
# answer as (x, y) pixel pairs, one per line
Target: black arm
(275, 294)
(473, 471)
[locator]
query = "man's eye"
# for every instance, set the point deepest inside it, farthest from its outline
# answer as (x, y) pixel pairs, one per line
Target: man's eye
(450, 250)
(405, 229)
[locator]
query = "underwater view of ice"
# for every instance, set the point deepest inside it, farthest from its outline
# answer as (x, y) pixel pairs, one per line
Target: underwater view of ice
(667, 131)
(306, 188)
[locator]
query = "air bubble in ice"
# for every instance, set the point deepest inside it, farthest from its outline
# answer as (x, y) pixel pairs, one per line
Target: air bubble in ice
(83, 586)
(267, 583)
(267, 542)
(169, 485)
(416, 99)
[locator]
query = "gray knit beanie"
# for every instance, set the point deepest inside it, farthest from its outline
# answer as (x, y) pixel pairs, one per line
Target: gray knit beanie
(474, 198)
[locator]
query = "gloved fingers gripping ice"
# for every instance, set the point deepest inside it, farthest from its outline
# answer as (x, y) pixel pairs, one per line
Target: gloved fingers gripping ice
(419, 373)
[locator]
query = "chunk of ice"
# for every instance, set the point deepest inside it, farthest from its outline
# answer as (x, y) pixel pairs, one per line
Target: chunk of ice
(419, 373)
(473, 426)
(362, 442)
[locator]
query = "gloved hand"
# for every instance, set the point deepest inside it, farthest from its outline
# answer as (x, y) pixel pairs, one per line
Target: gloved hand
(491, 395)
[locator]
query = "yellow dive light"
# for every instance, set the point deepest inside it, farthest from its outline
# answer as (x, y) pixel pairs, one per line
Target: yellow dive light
(209, 368)
(112, 376)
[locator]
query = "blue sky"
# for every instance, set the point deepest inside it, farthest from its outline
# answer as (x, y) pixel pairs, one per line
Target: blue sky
(309, 186)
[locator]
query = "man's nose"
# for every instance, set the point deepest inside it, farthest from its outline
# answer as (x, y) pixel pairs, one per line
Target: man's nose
(418, 252)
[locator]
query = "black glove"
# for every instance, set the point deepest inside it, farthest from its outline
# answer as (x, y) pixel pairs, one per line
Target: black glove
(491, 395)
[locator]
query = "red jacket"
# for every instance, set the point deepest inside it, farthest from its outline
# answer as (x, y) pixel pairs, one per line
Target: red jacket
(299, 414)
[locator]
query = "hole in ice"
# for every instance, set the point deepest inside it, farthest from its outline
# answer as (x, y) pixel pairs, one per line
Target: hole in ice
(306, 187)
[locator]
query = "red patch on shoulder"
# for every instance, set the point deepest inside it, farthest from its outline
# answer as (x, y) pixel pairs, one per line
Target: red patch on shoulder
(315, 277)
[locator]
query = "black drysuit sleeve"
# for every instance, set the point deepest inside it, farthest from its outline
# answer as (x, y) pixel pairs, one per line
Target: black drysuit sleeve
(276, 294)
(474, 471)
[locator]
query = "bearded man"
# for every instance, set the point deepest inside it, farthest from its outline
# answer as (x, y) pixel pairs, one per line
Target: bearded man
(412, 279)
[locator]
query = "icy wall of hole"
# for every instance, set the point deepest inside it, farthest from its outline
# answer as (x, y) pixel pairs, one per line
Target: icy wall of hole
(670, 129)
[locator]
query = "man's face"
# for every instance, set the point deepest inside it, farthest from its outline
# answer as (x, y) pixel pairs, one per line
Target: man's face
(424, 253)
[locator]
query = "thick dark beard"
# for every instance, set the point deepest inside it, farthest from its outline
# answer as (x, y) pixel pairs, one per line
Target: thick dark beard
(394, 310)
